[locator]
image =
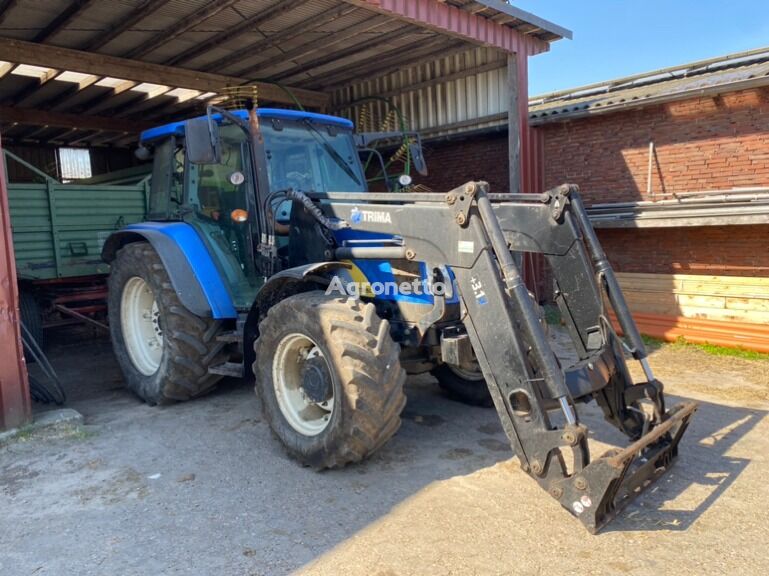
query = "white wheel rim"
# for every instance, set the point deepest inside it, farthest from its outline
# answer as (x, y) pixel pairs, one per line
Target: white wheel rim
(142, 331)
(304, 415)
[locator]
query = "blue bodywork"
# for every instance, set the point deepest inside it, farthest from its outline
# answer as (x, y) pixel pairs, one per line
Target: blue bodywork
(199, 258)
(177, 128)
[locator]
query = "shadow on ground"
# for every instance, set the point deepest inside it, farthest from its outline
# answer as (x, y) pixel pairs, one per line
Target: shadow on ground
(202, 487)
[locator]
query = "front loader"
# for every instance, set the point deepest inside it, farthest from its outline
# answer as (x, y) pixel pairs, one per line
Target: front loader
(259, 283)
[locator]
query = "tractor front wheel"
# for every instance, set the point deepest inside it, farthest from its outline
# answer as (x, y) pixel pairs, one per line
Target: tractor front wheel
(329, 377)
(463, 384)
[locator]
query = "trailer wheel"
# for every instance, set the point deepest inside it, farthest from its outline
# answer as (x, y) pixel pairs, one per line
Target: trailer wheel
(329, 377)
(163, 349)
(463, 385)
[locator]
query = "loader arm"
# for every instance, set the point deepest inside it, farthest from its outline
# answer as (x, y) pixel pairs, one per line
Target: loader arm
(475, 233)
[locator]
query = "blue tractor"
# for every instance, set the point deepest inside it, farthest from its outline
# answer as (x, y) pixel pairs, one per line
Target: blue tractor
(264, 255)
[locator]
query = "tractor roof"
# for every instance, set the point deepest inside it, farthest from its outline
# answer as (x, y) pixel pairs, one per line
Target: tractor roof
(177, 128)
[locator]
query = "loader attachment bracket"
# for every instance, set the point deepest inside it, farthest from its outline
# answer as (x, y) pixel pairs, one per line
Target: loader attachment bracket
(597, 493)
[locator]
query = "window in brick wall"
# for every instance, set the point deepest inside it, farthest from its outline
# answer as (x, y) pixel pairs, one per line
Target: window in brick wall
(74, 163)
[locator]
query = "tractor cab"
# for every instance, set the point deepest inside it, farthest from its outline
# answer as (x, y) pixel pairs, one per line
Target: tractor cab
(223, 174)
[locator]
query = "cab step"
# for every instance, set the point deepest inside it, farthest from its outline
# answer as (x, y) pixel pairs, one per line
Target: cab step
(230, 337)
(231, 369)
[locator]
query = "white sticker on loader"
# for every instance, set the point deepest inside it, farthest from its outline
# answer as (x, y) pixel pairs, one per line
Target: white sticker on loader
(466, 246)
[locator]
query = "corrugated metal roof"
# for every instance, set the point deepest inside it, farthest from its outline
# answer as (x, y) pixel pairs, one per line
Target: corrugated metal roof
(727, 73)
(316, 45)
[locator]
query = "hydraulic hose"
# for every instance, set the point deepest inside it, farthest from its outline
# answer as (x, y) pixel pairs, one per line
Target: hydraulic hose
(331, 224)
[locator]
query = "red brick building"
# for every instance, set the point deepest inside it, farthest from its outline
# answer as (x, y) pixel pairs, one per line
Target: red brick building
(675, 165)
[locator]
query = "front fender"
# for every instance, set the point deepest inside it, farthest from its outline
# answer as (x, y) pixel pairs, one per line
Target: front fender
(193, 273)
(279, 286)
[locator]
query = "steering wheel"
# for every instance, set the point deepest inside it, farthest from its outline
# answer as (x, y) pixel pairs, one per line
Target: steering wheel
(298, 180)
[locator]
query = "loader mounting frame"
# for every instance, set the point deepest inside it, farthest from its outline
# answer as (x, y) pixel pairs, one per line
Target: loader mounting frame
(475, 233)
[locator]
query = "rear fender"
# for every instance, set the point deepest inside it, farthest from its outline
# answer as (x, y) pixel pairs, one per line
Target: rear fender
(193, 273)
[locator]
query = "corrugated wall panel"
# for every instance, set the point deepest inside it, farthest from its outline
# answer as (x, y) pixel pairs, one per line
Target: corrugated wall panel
(429, 104)
(84, 217)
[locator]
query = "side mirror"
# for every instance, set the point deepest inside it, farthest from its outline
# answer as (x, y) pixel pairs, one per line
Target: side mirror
(143, 153)
(415, 149)
(202, 141)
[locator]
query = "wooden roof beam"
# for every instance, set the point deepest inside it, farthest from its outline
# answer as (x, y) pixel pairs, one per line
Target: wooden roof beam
(208, 10)
(111, 66)
(65, 17)
(142, 11)
(244, 27)
(94, 105)
(384, 66)
(5, 8)
(61, 100)
(33, 117)
(357, 48)
(311, 45)
(28, 91)
(399, 56)
(307, 25)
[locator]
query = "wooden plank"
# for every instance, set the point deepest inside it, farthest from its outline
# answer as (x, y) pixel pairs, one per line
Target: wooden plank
(139, 13)
(687, 300)
(761, 304)
(754, 291)
(83, 122)
(244, 27)
(65, 17)
(182, 25)
(15, 402)
(135, 70)
(5, 8)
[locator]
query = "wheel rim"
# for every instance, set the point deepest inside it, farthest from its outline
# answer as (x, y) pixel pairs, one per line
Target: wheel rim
(142, 331)
(301, 377)
(474, 375)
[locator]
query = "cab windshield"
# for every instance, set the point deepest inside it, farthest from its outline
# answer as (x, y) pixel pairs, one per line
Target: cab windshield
(307, 156)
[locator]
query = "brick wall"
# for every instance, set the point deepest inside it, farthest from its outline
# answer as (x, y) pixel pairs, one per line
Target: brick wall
(700, 144)
(476, 158)
(710, 250)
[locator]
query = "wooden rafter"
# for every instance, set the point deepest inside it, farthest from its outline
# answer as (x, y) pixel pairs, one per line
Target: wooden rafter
(244, 27)
(311, 46)
(35, 117)
(134, 70)
(98, 103)
(208, 10)
(357, 48)
(142, 11)
(65, 17)
(366, 71)
(36, 83)
(5, 8)
(307, 25)
(393, 59)
(63, 99)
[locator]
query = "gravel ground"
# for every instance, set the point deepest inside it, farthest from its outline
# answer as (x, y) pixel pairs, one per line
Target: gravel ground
(203, 488)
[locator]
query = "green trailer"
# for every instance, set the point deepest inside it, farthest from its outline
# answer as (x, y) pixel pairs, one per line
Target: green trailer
(58, 232)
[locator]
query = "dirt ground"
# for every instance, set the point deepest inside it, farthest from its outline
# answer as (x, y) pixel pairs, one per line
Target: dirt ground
(203, 488)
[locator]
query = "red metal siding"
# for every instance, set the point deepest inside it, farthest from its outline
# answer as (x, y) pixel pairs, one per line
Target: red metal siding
(15, 406)
(451, 19)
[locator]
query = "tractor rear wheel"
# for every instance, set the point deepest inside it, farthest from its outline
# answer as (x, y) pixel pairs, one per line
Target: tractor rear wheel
(329, 377)
(163, 349)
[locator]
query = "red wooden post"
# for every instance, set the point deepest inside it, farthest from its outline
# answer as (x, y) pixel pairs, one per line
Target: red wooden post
(15, 403)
